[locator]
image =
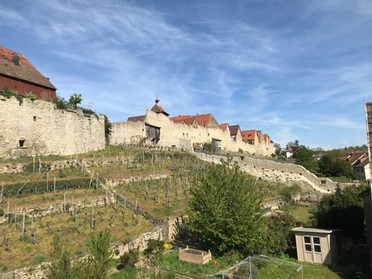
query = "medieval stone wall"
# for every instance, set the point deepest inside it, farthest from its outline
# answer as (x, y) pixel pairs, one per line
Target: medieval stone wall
(37, 127)
(182, 136)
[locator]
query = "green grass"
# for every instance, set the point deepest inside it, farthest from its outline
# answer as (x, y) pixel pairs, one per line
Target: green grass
(301, 213)
(126, 273)
(123, 225)
(170, 262)
(261, 269)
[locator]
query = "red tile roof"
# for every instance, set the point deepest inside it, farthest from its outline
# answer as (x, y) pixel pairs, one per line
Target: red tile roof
(362, 164)
(234, 129)
(201, 119)
(223, 126)
(180, 118)
(249, 134)
(158, 109)
(137, 118)
(15, 65)
(353, 159)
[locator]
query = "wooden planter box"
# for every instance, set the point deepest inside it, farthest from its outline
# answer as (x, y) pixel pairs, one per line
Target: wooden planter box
(194, 256)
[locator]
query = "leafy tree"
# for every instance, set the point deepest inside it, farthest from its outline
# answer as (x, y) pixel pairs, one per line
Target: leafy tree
(225, 210)
(342, 210)
(341, 168)
(75, 99)
(325, 165)
(100, 254)
(61, 265)
(279, 232)
(305, 158)
(94, 266)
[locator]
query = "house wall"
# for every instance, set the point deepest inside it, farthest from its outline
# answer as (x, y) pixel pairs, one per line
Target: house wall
(23, 87)
(47, 130)
(179, 135)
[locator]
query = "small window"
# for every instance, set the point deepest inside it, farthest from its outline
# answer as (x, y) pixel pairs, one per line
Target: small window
(307, 239)
(21, 142)
(316, 240)
(308, 247)
(317, 248)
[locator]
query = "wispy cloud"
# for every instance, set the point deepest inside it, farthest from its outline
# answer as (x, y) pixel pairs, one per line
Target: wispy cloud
(261, 65)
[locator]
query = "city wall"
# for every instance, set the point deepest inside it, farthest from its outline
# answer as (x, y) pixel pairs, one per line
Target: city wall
(313, 187)
(37, 127)
(181, 136)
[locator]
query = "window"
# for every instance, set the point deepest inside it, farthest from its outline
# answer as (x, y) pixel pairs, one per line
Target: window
(316, 241)
(21, 143)
(312, 243)
(308, 243)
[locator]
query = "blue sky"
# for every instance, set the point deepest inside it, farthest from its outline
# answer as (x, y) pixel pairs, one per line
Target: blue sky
(295, 69)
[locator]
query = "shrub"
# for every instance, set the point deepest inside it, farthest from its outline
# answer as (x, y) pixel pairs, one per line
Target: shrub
(2, 212)
(31, 96)
(129, 259)
(154, 247)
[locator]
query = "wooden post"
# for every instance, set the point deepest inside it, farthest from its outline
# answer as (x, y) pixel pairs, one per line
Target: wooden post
(2, 193)
(64, 202)
(24, 224)
(33, 163)
(54, 185)
(8, 208)
(32, 222)
(93, 226)
(91, 179)
(38, 157)
(47, 181)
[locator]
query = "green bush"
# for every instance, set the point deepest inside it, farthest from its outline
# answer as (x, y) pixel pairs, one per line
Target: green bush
(22, 189)
(129, 259)
(2, 212)
(154, 247)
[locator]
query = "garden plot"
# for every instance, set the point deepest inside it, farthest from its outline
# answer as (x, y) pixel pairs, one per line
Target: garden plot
(25, 239)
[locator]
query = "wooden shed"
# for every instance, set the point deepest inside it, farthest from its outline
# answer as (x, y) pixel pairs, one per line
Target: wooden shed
(316, 245)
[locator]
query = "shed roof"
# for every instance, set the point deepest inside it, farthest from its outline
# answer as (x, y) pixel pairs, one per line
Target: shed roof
(312, 230)
(15, 65)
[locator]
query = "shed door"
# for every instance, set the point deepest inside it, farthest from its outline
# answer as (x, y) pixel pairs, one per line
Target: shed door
(313, 250)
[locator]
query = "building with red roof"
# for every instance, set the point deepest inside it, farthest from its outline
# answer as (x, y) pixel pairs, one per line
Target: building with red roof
(205, 120)
(235, 132)
(250, 136)
(188, 132)
(21, 77)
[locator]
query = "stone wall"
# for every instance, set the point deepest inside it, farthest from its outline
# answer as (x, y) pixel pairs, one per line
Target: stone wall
(181, 136)
(40, 271)
(37, 127)
(312, 186)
